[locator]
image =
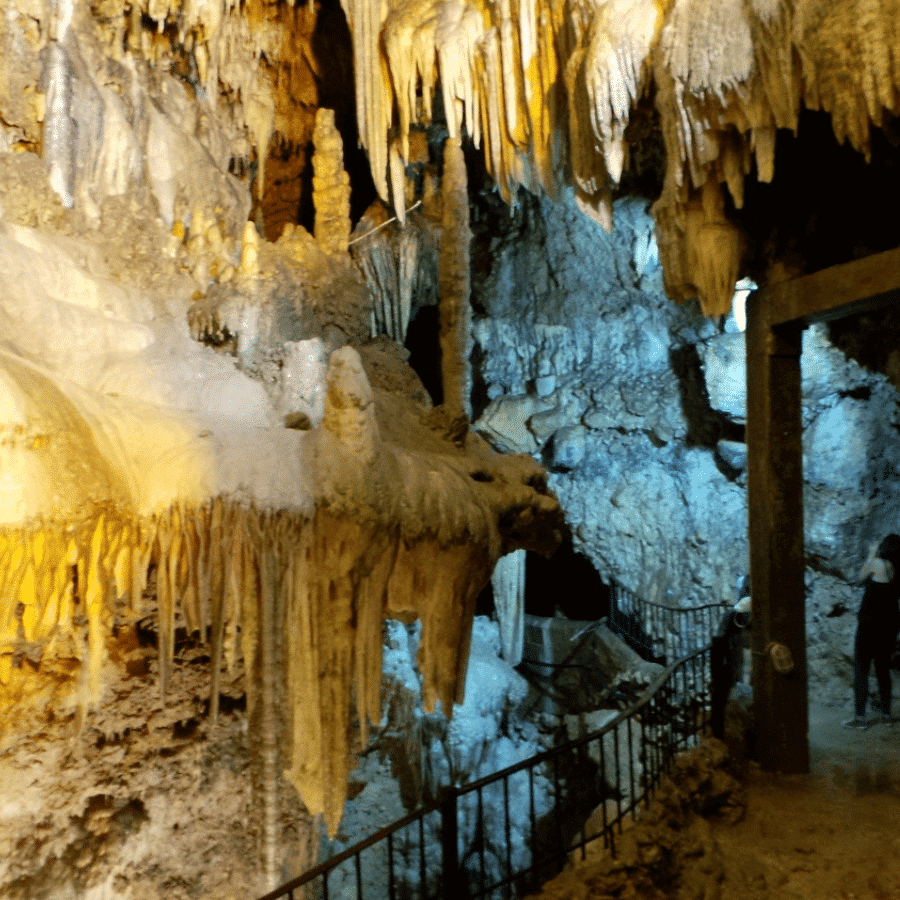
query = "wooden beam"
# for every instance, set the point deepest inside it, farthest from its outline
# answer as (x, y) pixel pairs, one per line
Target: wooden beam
(843, 290)
(775, 525)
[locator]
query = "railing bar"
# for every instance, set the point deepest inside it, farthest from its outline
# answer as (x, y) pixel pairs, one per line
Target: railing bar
(556, 806)
(483, 840)
(606, 841)
(581, 767)
(533, 837)
(645, 761)
(618, 775)
(631, 770)
(392, 890)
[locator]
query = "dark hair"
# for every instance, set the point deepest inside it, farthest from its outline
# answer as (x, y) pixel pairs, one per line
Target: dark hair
(889, 549)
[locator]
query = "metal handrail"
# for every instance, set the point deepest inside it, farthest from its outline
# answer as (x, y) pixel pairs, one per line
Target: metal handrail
(600, 768)
(662, 633)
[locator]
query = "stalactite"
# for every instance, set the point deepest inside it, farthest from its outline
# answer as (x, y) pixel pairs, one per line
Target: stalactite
(400, 266)
(525, 76)
(299, 594)
(376, 259)
(508, 582)
(59, 126)
(327, 576)
(546, 87)
(271, 584)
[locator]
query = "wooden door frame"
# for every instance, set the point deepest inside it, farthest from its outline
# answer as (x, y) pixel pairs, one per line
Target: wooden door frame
(776, 318)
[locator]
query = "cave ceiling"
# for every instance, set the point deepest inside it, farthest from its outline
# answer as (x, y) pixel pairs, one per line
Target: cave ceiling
(688, 100)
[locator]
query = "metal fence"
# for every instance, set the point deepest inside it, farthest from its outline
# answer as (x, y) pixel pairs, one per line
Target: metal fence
(506, 834)
(662, 633)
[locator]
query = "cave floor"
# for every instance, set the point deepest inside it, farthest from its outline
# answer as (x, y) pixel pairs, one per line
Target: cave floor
(831, 835)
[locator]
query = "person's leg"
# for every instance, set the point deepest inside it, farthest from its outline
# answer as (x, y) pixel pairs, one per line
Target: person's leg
(882, 660)
(861, 665)
(882, 673)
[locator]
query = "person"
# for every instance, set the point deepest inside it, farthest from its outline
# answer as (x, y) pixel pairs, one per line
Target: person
(878, 621)
(727, 655)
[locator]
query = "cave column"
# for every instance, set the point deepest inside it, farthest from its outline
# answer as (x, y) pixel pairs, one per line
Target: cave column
(454, 278)
(775, 511)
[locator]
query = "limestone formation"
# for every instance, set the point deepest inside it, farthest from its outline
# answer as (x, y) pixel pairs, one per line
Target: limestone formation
(186, 574)
(152, 484)
(331, 186)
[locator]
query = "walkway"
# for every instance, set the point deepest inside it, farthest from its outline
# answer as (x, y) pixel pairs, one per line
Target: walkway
(830, 835)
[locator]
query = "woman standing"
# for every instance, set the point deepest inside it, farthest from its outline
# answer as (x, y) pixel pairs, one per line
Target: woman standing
(876, 631)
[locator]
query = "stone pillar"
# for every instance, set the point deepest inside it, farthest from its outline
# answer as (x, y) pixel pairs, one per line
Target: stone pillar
(454, 280)
(775, 510)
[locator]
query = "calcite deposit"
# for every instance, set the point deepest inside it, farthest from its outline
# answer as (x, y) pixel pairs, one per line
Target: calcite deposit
(151, 484)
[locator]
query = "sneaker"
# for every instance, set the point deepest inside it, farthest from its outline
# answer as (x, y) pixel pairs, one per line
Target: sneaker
(855, 722)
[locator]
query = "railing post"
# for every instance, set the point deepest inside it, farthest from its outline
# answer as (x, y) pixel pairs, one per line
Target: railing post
(453, 883)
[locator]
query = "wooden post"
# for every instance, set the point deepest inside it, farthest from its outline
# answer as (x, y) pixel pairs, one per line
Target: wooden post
(775, 511)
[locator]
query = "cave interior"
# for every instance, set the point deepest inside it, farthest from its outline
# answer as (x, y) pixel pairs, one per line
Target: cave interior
(340, 337)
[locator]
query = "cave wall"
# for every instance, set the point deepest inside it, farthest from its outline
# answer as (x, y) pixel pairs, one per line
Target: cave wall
(636, 406)
(135, 139)
(587, 365)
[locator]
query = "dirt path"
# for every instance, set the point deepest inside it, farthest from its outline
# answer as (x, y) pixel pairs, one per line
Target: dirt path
(831, 835)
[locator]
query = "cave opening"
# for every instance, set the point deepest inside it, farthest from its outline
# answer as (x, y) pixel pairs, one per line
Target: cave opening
(424, 346)
(320, 74)
(565, 583)
(333, 46)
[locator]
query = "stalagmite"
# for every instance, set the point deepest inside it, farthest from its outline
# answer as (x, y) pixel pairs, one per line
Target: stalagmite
(250, 250)
(331, 186)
